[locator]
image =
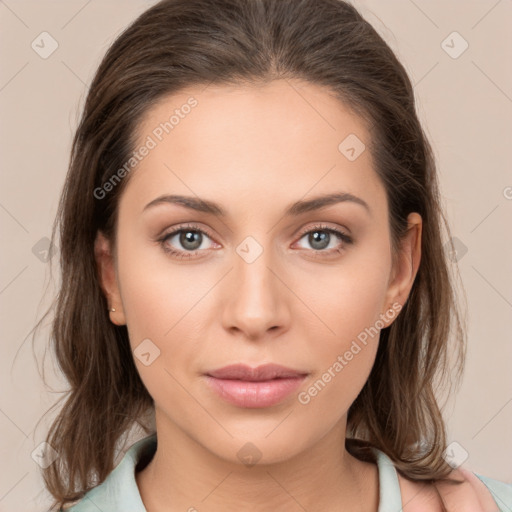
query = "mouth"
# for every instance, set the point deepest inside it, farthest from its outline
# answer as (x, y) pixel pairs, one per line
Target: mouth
(259, 387)
(261, 373)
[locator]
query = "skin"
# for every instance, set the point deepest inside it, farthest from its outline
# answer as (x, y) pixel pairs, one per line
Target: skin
(255, 151)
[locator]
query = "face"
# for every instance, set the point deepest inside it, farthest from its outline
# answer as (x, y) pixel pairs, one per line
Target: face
(263, 275)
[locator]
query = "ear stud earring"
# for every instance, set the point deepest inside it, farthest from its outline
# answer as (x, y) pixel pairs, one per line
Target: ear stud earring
(113, 309)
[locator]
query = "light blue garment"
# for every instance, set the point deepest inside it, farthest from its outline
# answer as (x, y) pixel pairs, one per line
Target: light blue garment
(119, 491)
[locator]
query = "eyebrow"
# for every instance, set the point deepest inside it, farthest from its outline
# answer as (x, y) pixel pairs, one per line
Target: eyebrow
(297, 208)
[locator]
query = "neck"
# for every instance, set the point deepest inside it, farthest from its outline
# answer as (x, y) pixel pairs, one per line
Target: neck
(185, 476)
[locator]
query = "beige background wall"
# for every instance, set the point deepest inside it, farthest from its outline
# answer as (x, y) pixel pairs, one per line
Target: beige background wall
(464, 99)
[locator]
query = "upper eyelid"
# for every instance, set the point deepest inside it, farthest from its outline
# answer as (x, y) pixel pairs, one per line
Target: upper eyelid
(186, 227)
(324, 227)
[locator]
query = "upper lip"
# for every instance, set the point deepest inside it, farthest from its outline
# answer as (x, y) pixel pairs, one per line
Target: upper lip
(260, 373)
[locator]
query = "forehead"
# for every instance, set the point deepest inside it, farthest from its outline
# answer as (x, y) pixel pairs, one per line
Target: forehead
(214, 112)
(285, 137)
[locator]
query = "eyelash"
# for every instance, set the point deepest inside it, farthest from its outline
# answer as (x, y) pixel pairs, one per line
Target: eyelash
(190, 254)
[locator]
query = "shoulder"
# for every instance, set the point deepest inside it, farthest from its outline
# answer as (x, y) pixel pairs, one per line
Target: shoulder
(481, 494)
(476, 494)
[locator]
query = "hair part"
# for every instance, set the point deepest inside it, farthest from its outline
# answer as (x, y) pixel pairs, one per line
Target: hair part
(176, 44)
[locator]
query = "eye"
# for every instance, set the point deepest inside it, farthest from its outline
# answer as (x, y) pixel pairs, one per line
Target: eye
(326, 240)
(185, 241)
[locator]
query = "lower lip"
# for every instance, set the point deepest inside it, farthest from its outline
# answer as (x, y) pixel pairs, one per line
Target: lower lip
(254, 394)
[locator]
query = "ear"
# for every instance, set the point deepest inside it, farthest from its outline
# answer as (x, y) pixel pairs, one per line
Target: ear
(105, 263)
(407, 263)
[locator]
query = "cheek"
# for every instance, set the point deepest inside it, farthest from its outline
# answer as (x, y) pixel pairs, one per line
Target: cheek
(345, 301)
(157, 294)
(165, 303)
(344, 330)
(161, 306)
(343, 358)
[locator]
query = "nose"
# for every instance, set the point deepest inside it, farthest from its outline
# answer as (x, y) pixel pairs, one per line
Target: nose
(257, 303)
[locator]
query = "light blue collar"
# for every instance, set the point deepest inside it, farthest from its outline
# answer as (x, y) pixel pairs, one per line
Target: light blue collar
(119, 490)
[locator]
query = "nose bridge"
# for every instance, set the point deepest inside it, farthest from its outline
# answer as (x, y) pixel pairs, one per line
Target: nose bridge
(256, 298)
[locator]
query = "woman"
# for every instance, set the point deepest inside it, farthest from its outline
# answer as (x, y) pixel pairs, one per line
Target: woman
(253, 270)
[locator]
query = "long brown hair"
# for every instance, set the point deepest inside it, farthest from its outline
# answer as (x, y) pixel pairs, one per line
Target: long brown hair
(179, 43)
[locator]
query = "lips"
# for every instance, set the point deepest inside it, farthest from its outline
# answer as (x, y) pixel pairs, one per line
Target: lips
(261, 373)
(259, 387)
